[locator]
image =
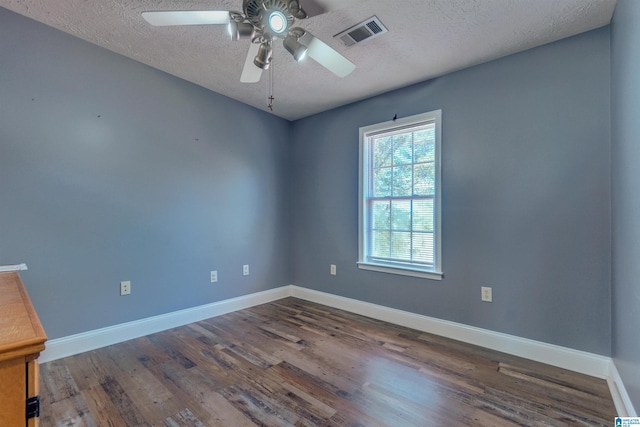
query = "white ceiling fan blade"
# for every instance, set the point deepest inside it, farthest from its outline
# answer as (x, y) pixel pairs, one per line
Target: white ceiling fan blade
(326, 56)
(251, 73)
(186, 17)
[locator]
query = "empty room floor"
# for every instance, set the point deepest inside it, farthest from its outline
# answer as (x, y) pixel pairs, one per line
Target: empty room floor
(297, 363)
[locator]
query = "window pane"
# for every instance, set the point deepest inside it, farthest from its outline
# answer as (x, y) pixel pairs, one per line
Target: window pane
(381, 215)
(424, 151)
(424, 176)
(382, 182)
(402, 149)
(380, 244)
(422, 215)
(422, 246)
(402, 180)
(424, 145)
(401, 215)
(382, 152)
(401, 245)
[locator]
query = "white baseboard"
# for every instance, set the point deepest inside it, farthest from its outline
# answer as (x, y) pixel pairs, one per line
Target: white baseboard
(91, 340)
(574, 360)
(624, 406)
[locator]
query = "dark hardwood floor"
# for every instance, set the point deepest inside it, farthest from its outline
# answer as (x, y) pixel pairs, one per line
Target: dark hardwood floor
(296, 363)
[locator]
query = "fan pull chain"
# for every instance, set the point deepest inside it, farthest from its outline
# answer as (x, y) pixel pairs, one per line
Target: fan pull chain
(270, 97)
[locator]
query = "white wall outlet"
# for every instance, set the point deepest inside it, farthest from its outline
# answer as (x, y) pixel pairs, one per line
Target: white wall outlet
(214, 276)
(333, 269)
(245, 270)
(487, 294)
(125, 287)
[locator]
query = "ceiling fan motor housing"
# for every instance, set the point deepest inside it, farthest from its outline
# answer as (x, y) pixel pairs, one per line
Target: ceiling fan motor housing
(259, 13)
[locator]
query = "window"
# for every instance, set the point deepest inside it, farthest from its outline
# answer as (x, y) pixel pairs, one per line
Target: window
(399, 212)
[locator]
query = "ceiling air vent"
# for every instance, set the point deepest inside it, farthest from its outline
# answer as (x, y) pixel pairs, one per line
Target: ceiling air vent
(365, 30)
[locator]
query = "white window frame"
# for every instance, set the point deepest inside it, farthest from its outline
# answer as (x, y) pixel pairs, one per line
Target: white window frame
(407, 269)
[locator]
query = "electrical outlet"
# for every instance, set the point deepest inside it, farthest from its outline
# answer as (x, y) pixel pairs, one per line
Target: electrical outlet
(333, 269)
(125, 287)
(487, 294)
(245, 270)
(214, 276)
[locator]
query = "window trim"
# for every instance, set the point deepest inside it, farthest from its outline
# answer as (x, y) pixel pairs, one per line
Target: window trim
(363, 178)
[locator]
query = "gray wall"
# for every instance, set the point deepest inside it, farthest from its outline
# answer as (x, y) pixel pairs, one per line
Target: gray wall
(625, 114)
(526, 196)
(110, 171)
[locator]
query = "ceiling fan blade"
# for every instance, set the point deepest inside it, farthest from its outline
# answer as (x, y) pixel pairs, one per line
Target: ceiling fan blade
(326, 56)
(251, 73)
(186, 17)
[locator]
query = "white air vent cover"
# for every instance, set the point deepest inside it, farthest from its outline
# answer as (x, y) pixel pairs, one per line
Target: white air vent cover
(365, 30)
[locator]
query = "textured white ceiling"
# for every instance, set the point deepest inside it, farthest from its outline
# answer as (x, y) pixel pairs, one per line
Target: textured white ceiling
(426, 39)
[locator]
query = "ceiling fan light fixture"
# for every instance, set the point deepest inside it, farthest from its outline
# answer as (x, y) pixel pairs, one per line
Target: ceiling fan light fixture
(295, 48)
(240, 30)
(263, 58)
(277, 21)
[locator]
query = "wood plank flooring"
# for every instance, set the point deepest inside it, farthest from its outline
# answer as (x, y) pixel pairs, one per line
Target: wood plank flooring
(296, 363)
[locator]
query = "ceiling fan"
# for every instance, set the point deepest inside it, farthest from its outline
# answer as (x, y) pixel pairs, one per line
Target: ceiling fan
(263, 22)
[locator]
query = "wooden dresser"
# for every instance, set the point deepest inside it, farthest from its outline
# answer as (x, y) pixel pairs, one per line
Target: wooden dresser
(21, 341)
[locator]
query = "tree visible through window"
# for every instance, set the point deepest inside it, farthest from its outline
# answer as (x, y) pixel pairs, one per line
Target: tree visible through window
(399, 216)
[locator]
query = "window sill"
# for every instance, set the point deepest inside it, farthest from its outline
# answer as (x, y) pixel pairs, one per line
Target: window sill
(433, 275)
